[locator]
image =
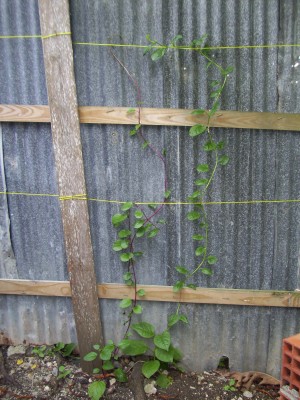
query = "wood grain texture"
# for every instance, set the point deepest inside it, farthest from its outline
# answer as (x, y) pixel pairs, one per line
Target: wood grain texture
(62, 98)
(157, 116)
(241, 297)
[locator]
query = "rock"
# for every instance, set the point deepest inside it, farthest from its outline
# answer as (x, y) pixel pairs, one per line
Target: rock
(150, 388)
(55, 371)
(47, 389)
(20, 349)
(112, 381)
(248, 394)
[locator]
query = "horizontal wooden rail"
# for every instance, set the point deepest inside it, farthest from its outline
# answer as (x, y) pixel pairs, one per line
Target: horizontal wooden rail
(157, 116)
(241, 297)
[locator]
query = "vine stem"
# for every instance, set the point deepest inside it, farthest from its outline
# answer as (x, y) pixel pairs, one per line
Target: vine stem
(162, 158)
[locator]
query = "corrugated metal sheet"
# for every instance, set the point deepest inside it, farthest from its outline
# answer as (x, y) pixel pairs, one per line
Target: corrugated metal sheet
(257, 245)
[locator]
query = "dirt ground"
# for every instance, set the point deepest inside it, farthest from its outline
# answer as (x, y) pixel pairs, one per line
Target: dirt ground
(24, 375)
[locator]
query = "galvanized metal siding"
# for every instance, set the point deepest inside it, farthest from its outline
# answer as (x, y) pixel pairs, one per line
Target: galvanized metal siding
(257, 245)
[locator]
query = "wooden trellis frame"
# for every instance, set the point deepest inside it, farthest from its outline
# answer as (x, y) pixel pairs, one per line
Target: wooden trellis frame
(83, 288)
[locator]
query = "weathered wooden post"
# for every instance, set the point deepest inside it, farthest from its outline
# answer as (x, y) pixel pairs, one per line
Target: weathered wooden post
(62, 97)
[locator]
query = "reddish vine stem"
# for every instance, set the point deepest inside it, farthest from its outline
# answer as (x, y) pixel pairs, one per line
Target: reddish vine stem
(161, 157)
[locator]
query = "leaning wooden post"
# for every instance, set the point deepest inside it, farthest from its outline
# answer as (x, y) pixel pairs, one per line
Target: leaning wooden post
(59, 68)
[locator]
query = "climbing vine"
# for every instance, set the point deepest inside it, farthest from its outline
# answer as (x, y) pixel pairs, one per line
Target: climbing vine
(136, 222)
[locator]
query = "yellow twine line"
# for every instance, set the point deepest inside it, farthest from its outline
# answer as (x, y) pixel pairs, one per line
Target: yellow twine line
(140, 46)
(84, 197)
(34, 36)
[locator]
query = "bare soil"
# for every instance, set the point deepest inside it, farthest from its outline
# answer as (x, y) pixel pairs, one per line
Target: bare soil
(28, 376)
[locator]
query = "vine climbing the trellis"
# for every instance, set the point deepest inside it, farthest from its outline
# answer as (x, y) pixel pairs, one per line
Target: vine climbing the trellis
(135, 221)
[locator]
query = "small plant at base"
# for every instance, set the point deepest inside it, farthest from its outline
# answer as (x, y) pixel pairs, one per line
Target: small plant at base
(40, 351)
(231, 386)
(63, 372)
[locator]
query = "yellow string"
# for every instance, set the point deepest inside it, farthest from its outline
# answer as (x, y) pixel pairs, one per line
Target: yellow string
(34, 36)
(171, 203)
(140, 46)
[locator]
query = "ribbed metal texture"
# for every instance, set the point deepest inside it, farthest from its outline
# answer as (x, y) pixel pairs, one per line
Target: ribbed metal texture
(257, 245)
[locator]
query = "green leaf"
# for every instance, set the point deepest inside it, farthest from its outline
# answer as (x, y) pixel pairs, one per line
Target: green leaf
(201, 182)
(138, 253)
(191, 286)
(107, 365)
(118, 218)
(141, 232)
(153, 233)
(214, 108)
(223, 160)
(212, 260)
(106, 352)
(125, 303)
(158, 53)
(202, 168)
(138, 214)
(127, 276)
(96, 346)
(96, 370)
(150, 367)
(137, 127)
(228, 70)
(215, 93)
(183, 318)
(139, 224)
(96, 390)
(194, 195)
(178, 286)
(137, 309)
(68, 349)
(214, 83)
(164, 381)
(132, 347)
(182, 270)
(206, 271)
(126, 257)
(198, 237)
(210, 146)
(220, 145)
(132, 132)
(175, 39)
(152, 206)
(90, 356)
(127, 206)
(164, 355)
(177, 355)
(173, 319)
(193, 215)
(145, 145)
(197, 130)
(131, 110)
(120, 244)
(167, 194)
(200, 250)
(198, 112)
(120, 375)
(163, 340)
(141, 292)
(144, 329)
(124, 233)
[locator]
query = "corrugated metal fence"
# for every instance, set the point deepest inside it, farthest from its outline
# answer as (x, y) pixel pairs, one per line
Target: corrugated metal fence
(257, 245)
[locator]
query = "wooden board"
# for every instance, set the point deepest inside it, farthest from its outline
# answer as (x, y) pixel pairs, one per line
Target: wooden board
(241, 297)
(62, 97)
(156, 116)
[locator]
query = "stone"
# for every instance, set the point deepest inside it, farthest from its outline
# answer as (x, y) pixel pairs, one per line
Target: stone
(20, 349)
(150, 388)
(248, 394)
